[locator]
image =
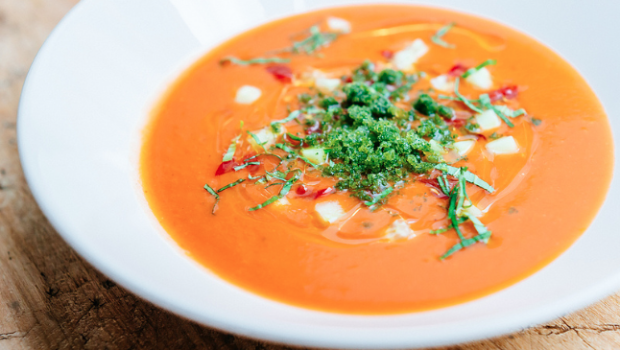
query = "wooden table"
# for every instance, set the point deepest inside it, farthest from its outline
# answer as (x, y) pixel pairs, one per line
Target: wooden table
(50, 298)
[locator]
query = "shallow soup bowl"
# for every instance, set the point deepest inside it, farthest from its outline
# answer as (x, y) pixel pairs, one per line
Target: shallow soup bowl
(86, 101)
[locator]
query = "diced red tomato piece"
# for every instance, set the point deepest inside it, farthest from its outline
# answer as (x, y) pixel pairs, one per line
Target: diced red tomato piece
(481, 136)
(387, 54)
(303, 191)
(225, 167)
(457, 70)
(324, 192)
(281, 73)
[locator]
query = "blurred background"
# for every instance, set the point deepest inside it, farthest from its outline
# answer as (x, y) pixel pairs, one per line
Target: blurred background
(50, 298)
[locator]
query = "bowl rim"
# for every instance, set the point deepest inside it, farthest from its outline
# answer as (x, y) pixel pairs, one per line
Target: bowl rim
(313, 338)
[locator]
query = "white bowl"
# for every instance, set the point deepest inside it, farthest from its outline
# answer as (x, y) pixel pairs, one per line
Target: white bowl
(80, 118)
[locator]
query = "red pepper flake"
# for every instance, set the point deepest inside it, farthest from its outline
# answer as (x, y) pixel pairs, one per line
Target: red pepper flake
(303, 191)
(388, 54)
(481, 136)
(457, 70)
(225, 167)
(508, 92)
(324, 192)
(457, 123)
(281, 73)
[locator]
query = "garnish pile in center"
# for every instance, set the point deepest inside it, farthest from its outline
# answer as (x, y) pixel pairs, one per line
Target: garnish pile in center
(373, 135)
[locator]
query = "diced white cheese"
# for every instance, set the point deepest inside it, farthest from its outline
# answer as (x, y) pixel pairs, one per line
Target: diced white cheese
(326, 84)
(405, 58)
(329, 211)
(463, 147)
(315, 155)
(247, 94)
(488, 120)
(266, 137)
(282, 202)
(399, 229)
(504, 145)
(338, 24)
(442, 83)
(481, 79)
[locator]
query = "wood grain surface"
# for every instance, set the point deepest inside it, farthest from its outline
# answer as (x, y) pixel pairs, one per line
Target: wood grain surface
(50, 298)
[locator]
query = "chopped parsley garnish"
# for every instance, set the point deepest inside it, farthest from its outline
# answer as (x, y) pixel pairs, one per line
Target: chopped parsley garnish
(437, 38)
(536, 121)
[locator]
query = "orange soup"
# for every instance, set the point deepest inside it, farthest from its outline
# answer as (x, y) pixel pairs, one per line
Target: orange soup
(377, 159)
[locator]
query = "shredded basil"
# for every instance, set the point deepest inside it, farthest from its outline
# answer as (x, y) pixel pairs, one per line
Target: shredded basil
(237, 168)
(463, 99)
(485, 101)
(292, 116)
(283, 192)
(437, 38)
(233, 184)
(313, 42)
(471, 71)
(469, 176)
(379, 197)
(257, 60)
(292, 152)
(230, 153)
(214, 194)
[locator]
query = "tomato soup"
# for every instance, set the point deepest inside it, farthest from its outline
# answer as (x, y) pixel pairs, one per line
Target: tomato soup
(377, 159)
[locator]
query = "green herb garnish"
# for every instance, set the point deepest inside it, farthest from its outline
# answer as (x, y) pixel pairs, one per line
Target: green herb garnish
(292, 152)
(457, 198)
(467, 175)
(232, 184)
(471, 71)
(536, 121)
(379, 197)
(214, 194)
(242, 166)
(437, 38)
(293, 115)
(283, 192)
(230, 153)
(313, 42)
(257, 60)
(464, 99)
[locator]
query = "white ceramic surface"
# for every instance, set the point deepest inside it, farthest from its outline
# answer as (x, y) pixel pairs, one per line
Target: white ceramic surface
(85, 102)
